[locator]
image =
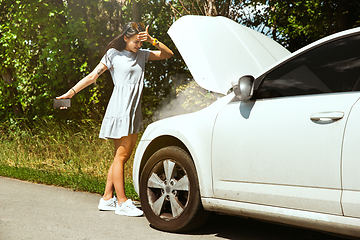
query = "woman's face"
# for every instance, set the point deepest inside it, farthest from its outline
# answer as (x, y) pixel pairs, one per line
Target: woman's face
(133, 44)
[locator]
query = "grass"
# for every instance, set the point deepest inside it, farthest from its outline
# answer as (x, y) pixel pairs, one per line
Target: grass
(69, 155)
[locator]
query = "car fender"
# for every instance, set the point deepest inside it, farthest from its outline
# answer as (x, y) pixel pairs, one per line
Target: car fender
(193, 131)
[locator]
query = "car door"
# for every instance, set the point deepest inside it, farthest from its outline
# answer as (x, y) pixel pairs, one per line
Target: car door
(283, 148)
(351, 165)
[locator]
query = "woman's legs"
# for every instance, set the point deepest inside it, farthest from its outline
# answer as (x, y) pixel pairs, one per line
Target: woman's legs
(115, 178)
(109, 188)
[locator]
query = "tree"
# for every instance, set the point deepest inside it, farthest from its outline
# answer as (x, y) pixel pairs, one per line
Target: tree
(204, 7)
(298, 23)
(22, 24)
(294, 24)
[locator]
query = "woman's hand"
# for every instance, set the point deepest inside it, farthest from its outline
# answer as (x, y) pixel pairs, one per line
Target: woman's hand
(69, 94)
(145, 36)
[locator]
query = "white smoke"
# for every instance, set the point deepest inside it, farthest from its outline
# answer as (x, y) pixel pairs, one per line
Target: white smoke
(189, 97)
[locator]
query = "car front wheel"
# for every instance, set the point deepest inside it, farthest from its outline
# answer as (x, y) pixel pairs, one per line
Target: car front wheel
(169, 191)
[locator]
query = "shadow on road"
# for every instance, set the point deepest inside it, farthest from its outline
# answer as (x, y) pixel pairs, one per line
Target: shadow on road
(229, 227)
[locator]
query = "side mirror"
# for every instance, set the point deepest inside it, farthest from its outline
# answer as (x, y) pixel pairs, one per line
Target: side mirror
(244, 90)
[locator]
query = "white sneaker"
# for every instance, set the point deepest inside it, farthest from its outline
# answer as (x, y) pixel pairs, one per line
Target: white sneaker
(128, 209)
(109, 205)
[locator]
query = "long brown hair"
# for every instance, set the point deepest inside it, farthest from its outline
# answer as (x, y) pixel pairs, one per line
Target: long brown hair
(119, 43)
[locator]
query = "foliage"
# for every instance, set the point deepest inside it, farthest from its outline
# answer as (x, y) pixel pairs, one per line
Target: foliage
(49, 45)
(297, 23)
(226, 8)
(293, 24)
(69, 155)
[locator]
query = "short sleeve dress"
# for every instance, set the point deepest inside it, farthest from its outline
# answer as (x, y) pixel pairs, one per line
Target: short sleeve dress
(123, 114)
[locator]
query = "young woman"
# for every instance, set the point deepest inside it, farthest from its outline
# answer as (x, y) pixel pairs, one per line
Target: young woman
(125, 60)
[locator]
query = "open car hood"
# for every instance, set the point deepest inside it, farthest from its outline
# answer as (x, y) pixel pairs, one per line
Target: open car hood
(218, 51)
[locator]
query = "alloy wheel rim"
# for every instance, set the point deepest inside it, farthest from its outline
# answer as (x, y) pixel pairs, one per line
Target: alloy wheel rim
(168, 189)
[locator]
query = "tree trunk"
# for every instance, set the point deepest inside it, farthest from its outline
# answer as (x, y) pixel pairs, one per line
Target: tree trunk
(136, 10)
(210, 8)
(8, 78)
(120, 19)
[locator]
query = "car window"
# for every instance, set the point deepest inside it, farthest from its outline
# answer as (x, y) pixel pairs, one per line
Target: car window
(329, 68)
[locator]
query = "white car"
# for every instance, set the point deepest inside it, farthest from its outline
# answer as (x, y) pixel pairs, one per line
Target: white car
(283, 146)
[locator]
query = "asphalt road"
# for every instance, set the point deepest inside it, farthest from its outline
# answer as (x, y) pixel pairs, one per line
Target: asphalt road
(35, 211)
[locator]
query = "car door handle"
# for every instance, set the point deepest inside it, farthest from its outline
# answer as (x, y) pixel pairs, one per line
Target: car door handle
(326, 117)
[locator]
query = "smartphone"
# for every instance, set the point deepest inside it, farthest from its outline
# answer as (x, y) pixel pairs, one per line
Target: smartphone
(62, 103)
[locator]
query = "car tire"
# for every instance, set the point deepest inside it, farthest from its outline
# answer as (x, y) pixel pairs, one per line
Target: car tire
(169, 191)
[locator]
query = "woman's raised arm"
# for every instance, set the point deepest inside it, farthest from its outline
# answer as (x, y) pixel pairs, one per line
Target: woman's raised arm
(163, 53)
